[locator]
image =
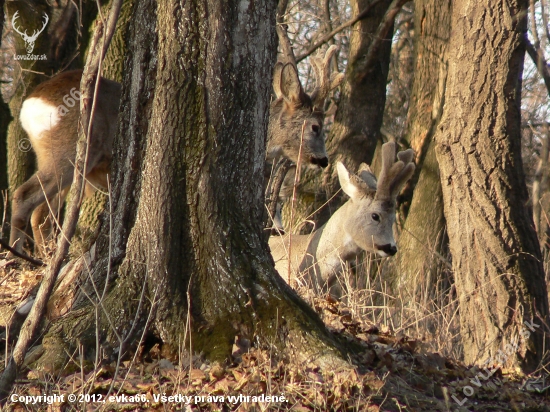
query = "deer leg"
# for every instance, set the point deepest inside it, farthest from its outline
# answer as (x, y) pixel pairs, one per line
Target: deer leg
(27, 197)
(43, 221)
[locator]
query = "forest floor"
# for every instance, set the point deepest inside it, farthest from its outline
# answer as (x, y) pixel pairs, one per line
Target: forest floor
(391, 373)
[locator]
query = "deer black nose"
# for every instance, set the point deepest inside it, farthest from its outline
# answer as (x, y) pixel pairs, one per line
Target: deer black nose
(389, 249)
(323, 161)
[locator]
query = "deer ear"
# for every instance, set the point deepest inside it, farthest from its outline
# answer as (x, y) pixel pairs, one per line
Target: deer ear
(277, 79)
(365, 173)
(348, 182)
(290, 86)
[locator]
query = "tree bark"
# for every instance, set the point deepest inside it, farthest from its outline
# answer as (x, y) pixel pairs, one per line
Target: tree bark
(421, 245)
(496, 255)
(186, 249)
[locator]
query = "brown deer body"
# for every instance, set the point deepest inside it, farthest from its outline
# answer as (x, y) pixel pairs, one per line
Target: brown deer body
(50, 117)
(363, 223)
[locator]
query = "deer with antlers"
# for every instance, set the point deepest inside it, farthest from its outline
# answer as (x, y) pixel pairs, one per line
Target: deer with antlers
(296, 120)
(363, 223)
(29, 40)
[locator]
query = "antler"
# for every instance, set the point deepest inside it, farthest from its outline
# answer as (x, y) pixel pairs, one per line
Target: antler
(37, 32)
(325, 82)
(15, 16)
(394, 175)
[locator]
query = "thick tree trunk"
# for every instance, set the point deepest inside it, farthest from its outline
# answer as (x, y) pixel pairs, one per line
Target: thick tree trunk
(186, 244)
(495, 250)
(421, 245)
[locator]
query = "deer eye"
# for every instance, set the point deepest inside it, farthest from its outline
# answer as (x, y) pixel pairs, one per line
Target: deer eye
(315, 128)
(375, 217)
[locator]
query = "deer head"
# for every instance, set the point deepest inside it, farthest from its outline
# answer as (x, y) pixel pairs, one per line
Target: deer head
(29, 40)
(296, 118)
(369, 220)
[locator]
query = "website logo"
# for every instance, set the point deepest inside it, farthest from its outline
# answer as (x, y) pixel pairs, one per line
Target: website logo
(29, 39)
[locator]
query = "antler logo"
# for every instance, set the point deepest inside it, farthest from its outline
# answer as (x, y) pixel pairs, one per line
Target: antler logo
(29, 40)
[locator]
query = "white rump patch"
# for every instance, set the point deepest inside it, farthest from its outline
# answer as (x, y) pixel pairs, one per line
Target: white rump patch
(38, 116)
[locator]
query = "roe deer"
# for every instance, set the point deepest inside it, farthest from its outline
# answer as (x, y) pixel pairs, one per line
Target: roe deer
(50, 117)
(364, 222)
(296, 118)
(294, 111)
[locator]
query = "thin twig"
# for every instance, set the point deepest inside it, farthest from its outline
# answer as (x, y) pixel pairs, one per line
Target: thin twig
(361, 16)
(296, 181)
(35, 262)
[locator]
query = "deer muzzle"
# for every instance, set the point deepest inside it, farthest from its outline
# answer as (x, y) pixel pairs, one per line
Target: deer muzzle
(386, 250)
(319, 161)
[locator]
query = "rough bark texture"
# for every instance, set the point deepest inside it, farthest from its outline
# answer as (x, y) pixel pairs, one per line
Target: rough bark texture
(186, 239)
(422, 240)
(356, 129)
(495, 250)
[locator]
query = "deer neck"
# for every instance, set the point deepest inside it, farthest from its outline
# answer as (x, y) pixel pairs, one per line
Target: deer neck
(334, 238)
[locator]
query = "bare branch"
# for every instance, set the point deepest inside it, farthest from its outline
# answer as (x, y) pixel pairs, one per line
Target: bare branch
(284, 41)
(540, 63)
(35, 262)
(363, 15)
(380, 36)
(544, 19)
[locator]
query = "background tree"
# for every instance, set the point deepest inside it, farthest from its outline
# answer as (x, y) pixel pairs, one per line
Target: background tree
(496, 255)
(356, 130)
(421, 245)
(113, 69)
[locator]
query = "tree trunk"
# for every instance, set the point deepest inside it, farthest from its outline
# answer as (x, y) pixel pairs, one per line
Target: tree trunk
(496, 255)
(113, 69)
(356, 130)
(186, 243)
(5, 119)
(421, 245)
